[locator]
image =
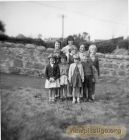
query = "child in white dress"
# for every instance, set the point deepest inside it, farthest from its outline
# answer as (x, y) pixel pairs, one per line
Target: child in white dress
(52, 74)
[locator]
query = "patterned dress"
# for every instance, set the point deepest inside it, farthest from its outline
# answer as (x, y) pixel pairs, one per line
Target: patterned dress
(64, 74)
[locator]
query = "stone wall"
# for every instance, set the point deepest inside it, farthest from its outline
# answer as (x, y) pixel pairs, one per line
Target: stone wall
(114, 65)
(31, 60)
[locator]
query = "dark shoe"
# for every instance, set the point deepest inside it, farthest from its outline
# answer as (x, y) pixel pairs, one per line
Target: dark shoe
(84, 100)
(91, 100)
(61, 100)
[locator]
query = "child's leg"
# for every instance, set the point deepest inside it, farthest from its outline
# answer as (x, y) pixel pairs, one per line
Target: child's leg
(65, 91)
(74, 95)
(93, 90)
(85, 88)
(61, 92)
(90, 87)
(50, 94)
(70, 90)
(53, 94)
(78, 94)
(57, 92)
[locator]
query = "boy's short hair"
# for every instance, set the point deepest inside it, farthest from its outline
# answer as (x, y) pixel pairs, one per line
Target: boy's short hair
(58, 42)
(73, 48)
(70, 38)
(64, 56)
(51, 56)
(93, 46)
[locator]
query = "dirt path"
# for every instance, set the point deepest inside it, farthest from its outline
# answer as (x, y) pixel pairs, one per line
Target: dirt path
(29, 116)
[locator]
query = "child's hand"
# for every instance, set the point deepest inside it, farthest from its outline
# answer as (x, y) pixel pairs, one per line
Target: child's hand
(69, 80)
(51, 80)
(93, 80)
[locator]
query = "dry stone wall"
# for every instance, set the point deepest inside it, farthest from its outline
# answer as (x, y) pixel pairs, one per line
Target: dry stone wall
(31, 60)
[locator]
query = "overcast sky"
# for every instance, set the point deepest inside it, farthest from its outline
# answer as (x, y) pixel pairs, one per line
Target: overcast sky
(102, 19)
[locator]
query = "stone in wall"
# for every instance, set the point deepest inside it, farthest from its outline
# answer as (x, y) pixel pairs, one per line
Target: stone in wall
(14, 70)
(113, 73)
(121, 73)
(30, 46)
(104, 71)
(111, 65)
(50, 50)
(41, 48)
(28, 65)
(18, 63)
(38, 66)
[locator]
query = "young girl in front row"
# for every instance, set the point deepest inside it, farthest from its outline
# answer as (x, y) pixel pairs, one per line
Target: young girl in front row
(64, 68)
(76, 77)
(52, 74)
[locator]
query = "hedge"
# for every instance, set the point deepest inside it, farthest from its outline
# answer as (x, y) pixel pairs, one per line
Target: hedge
(26, 40)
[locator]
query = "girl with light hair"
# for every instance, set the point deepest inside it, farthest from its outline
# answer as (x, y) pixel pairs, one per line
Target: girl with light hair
(76, 78)
(92, 54)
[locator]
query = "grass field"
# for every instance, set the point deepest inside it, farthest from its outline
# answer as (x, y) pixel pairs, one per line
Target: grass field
(27, 114)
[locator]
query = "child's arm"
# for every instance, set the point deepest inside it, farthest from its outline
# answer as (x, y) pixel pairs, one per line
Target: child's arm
(46, 73)
(97, 66)
(93, 72)
(70, 73)
(68, 69)
(57, 74)
(82, 73)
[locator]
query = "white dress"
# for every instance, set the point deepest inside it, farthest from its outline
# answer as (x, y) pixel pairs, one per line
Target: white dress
(54, 84)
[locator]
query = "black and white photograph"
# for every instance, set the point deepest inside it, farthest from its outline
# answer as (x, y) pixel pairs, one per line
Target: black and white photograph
(64, 70)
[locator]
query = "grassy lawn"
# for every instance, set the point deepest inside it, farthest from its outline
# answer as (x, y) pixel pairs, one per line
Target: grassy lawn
(27, 114)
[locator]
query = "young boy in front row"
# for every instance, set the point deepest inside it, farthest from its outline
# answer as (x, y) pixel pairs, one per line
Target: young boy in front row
(88, 79)
(96, 71)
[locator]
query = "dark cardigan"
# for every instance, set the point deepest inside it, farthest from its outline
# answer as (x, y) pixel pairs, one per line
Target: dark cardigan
(96, 64)
(53, 72)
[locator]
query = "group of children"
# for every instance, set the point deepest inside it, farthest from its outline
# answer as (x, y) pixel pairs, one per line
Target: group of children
(72, 72)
